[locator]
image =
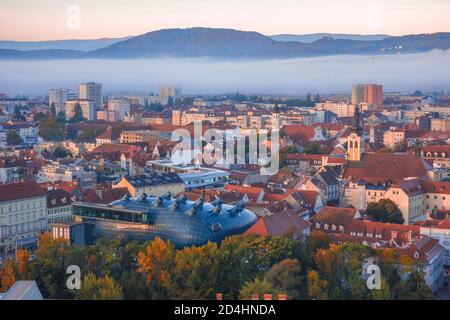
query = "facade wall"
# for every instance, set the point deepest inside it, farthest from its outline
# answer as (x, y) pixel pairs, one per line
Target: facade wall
(21, 221)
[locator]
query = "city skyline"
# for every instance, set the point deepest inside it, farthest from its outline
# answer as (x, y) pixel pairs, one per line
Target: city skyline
(65, 19)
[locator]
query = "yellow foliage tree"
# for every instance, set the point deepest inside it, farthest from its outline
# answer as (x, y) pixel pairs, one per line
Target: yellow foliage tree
(22, 260)
(7, 276)
(157, 263)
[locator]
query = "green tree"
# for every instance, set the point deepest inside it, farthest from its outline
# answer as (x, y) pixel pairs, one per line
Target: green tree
(13, 138)
(78, 114)
(257, 286)
(318, 240)
(287, 278)
(60, 152)
(52, 129)
(415, 288)
(94, 288)
(312, 148)
(38, 117)
(242, 259)
(89, 135)
(385, 210)
(196, 270)
(53, 109)
(317, 287)
(48, 269)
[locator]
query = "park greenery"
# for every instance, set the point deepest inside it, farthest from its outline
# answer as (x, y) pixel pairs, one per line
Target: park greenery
(238, 267)
(385, 210)
(52, 129)
(13, 138)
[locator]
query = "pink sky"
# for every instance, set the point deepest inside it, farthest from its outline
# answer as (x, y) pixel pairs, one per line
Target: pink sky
(29, 20)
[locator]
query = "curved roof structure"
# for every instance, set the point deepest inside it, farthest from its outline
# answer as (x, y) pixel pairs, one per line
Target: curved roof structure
(183, 222)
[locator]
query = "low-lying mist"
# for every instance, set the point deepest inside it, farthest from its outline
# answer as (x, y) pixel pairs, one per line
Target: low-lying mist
(332, 74)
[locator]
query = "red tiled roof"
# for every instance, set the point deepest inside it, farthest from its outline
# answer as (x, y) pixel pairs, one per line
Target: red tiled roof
(335, 215)
(386, 166)
(58, 198)
(279, 224)
(20, 190)
(436, 187)
(299, 132)
(252, 192)
(104, 196)
(439, 149)
(434, 223)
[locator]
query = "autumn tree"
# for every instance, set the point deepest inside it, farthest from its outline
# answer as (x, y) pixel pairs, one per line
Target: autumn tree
(287, 278)
(103, 288)
(242, 259)
(196, 270)
(318, 240)
(317, 287)
(157, 263)
(7, 276)
(22, 264)
(257, 286)
(49, 269)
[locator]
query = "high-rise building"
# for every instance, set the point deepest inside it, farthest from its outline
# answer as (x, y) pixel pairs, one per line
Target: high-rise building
(368, 93)
(120, 106)
(166, 93)
(58, 98)
(86, 107)
(93, 92)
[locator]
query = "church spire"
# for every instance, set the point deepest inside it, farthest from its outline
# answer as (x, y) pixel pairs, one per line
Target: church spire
(276, 109)
(356, 128)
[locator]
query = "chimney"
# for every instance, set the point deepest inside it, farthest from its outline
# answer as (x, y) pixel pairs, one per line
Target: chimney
(429, 214)
(409, 235)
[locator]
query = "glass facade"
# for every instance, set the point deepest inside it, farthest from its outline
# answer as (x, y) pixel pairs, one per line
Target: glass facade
(133, 219)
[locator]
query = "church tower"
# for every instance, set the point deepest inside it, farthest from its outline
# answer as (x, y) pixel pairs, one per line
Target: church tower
(355, 143)
(276, 119)
(372, 135)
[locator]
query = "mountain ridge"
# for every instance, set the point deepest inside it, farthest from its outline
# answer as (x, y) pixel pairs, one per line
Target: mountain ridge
(223, 43)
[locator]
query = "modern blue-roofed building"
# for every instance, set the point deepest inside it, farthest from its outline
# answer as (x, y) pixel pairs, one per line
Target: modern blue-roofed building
(183, 222)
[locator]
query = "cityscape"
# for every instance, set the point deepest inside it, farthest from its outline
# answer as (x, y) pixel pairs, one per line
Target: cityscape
(220, 188)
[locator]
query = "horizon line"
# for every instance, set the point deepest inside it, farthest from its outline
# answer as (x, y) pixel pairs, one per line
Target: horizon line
(185, 28)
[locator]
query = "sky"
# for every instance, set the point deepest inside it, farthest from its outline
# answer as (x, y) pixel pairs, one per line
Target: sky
(38, 20)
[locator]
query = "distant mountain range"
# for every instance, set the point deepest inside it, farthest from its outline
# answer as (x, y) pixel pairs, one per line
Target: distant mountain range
(228, 44)
(308, 38)
(80, 45)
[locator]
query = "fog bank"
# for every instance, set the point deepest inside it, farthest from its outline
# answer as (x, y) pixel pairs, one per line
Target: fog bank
(425, 71)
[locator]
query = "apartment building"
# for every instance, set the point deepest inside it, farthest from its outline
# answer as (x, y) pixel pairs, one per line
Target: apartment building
(394, 138)
(87, 107)
(92, 92)
(23, 215)
(440, 124)
(55, 171)
(151, 184)
(341, 109)
(59, 206)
